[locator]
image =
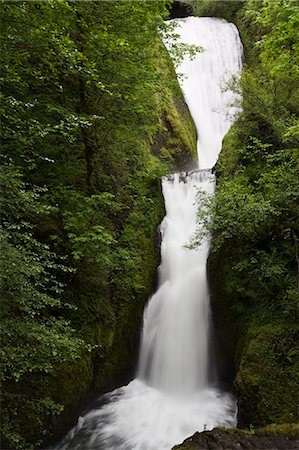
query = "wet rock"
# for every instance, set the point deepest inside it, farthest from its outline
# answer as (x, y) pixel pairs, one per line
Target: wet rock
(219, 439)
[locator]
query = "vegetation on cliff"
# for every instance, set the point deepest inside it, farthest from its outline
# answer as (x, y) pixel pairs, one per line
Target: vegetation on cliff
(255, 215)
(92, 117)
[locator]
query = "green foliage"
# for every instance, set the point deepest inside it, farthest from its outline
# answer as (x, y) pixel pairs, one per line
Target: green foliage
(279, 46)
(34, 338)
(225, 9)
(29, 285)
(82, 225)
(260, 219)
(258, 205)
(39, 411)
(253, 219)
(37, 347)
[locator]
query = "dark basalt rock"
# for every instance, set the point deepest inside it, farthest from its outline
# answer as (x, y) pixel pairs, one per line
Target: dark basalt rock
(179, 10)
(219, 439)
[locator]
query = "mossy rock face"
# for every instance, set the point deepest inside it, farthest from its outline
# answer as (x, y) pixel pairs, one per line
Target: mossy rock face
(72, 381)
(178, 143)
(260, 347)
(175, 143)
(267, 381)
(229, 315)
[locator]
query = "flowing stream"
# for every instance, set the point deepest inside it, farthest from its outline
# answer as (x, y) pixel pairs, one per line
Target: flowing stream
(173, 394)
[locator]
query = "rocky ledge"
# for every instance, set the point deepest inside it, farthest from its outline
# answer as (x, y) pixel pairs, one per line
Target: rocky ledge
(264, 439)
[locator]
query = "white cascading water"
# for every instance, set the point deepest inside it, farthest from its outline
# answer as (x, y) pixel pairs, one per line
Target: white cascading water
(172, 397)
(174, 348)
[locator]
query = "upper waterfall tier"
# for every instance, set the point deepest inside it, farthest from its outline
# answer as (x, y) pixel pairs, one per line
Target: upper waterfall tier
(212, 105)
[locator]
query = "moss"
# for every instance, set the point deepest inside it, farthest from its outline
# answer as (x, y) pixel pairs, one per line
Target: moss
(288, 429)
(231, 320)
(175, 139)
(228, 158)
(266, 368)
(182, 142)
(72, 381)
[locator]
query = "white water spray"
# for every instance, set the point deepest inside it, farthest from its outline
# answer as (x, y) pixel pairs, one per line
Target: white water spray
(172, 396)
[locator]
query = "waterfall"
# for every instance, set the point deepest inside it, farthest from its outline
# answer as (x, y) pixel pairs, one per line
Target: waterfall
(174, 346)
(211, 104)
(172, 396)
